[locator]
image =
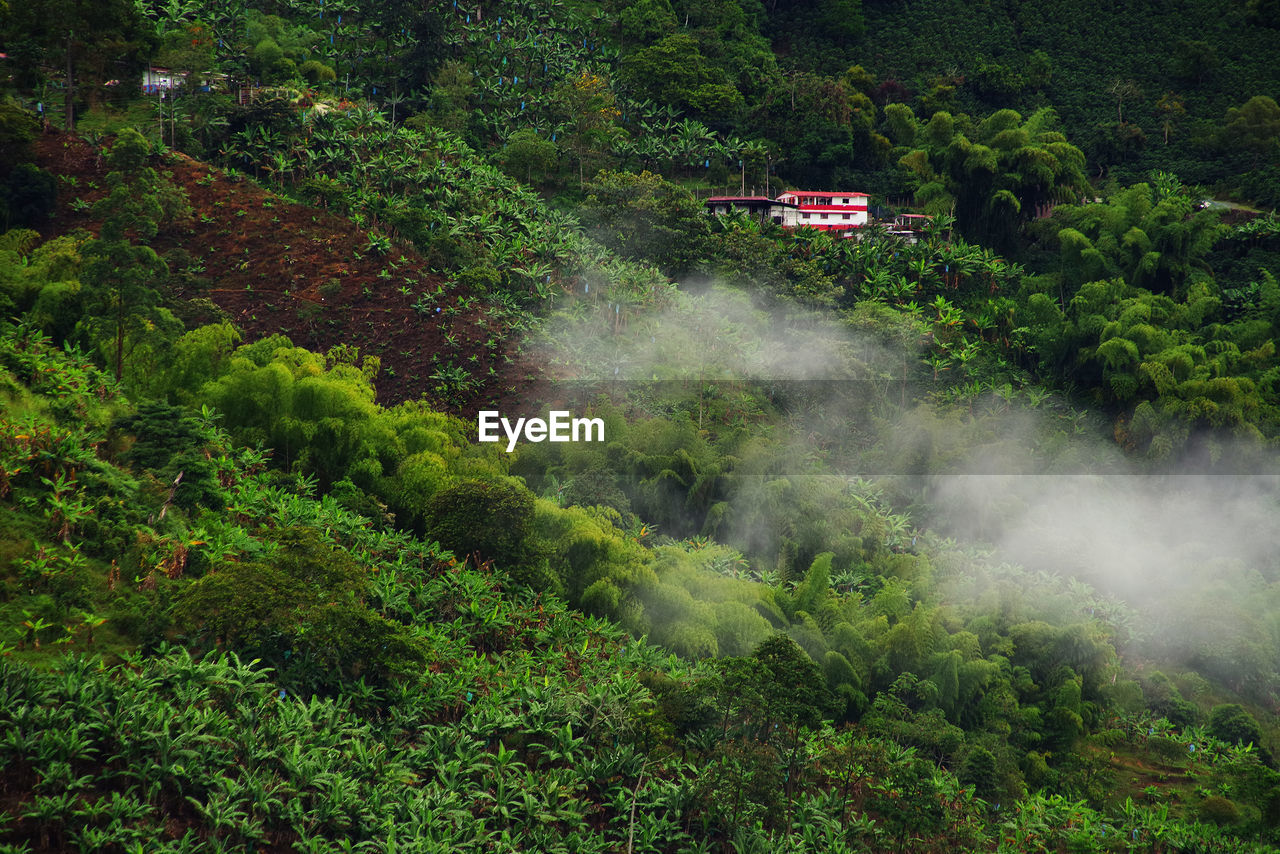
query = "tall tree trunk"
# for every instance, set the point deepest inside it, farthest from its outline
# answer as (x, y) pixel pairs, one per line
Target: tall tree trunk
(120, 331)
(69, 98)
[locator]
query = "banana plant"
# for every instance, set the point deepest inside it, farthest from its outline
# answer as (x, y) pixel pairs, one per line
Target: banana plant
(35, 624)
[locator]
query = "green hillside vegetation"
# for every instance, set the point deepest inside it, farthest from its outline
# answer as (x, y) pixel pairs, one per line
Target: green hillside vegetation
(806, 595)
(384, 647)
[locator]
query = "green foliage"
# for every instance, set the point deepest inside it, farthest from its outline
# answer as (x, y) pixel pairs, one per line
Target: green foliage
(646, 22)
(254, 605)
(979, 771)
(316, 72)
(1219, 810)
(197, 357)
(947, 658)
(1264, 13)
(28, 196)
(647, 218)
(1180, 354)
(1233, 724)
(746, 258)
(527, 153)
(175, 446)
(457, 208)
(453, 87)
(85, 47)
(1154, 238)
(992, 174)
(18, 129)
(894, 715)
(811, 594)
(188, 50)
(122, 303)
(278, 47)
(1255, 127)
(672, 70)
(306, 603)
(779, 684)
(324, 420)
(39, 280)
(291, 590)
(490, 520)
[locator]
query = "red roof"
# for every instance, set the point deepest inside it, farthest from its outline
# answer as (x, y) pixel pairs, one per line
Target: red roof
(818, 193)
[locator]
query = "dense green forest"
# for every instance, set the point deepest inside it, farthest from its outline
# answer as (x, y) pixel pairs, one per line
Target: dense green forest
(957, 543)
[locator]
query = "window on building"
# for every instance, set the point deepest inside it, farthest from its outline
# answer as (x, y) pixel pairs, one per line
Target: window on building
(804, 216)
(844, 216)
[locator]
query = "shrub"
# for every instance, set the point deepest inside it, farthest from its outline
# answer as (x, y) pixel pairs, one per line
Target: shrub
(29, 195)
(1233, 724)
(979, 770)
(490, 520)
(1166, 748)
(1177, 711)
(317, 72)
(18, 128)
(303, 606)
(479, 279)
(1219, 811)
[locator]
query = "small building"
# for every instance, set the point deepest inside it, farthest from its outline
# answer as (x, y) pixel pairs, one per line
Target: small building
(909, 227)
(842, 212)
(761, 208)
(160, 80)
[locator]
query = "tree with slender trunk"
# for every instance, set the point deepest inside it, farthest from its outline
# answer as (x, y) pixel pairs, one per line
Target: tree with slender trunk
(1121, 90)
(90, 41)
(120, 276)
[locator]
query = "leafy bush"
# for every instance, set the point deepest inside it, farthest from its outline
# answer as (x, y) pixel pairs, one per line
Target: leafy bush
(490, 520)
(29, 195)
(306, 601)
(1233, 724)
(1219, 810)
(18, 129)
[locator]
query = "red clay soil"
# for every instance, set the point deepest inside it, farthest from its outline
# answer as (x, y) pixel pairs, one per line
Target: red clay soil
(280, 267)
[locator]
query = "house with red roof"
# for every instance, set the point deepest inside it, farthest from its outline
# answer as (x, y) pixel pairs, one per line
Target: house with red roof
(842, 212)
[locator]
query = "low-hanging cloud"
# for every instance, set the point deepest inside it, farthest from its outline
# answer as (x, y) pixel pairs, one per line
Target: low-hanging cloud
(1040, 482)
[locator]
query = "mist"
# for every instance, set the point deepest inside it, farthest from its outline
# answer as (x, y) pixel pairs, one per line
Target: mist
(1027, 478)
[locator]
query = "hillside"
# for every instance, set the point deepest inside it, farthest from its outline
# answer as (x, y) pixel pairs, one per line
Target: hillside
(387, 693)
(272, 266)
(956, 542)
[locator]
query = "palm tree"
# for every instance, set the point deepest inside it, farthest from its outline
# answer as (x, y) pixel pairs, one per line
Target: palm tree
(280, 164)
(938, 228)
(395, 99)
(939, 362)
(922, 268)
(89, 622)
(900, 289)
